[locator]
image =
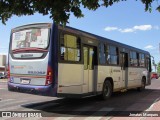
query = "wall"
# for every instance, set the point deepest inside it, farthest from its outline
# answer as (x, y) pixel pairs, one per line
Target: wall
(3, 62)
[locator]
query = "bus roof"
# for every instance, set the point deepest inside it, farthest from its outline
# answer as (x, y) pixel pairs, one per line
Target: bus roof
(86, 34)
(33, 25)
(103, 39)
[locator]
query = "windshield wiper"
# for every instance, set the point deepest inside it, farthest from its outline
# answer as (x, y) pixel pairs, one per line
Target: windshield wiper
(29, 49)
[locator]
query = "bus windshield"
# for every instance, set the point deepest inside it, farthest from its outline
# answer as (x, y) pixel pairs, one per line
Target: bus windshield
(30, 38)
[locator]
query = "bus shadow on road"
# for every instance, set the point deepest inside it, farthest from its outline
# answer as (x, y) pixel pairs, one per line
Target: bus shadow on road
(120, 104)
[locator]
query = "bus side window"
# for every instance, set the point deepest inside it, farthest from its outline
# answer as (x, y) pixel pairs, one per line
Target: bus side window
(102, 53)
(148, 64)
(150, 67)
(133, 59)
(70, 48)
(112, 55)
(141, 60)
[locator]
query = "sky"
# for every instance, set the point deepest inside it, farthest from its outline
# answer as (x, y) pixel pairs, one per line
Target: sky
(125, 22)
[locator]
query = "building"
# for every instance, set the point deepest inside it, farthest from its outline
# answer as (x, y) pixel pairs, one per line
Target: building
(3, 63)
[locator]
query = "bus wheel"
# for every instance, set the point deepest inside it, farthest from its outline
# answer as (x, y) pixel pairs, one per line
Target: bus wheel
(107, 90)
(143, 85)
(9, 89)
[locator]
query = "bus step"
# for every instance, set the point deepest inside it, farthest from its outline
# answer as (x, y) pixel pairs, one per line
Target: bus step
(124, 90)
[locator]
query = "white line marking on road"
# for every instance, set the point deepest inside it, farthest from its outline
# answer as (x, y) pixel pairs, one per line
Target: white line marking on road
(3, 88)
(103, 111)
(10, 105)
(83, 109)
(63, 118)
(5, 100)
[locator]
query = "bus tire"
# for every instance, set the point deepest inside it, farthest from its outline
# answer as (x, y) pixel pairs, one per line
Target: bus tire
(107, 90)
(9, 89)
(143, 85)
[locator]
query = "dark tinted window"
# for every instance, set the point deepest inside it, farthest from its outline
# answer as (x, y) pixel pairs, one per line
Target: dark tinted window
(112, 55)
(133, 58)
(102, 53)
(141, 60)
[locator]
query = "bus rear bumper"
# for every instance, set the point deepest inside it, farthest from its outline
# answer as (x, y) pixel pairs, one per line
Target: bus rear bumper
(48, 90)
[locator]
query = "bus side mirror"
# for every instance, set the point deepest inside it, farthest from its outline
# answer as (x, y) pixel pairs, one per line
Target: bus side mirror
(153, 62)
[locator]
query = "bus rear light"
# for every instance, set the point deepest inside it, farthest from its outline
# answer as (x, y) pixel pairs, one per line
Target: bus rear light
(49, 76)
(8, 73)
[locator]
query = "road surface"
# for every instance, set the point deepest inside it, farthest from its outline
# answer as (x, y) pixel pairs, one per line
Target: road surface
(130, 103)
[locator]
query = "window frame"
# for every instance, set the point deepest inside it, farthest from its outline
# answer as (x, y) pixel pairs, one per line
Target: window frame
(100, 52)
(117, 54)
(137, 58)
(60, 37)
(106, 44)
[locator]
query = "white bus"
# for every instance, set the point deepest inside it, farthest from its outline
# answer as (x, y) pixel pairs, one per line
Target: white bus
(61, 61)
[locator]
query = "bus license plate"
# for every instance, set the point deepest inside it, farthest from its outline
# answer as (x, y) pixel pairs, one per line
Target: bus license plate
(24, 81)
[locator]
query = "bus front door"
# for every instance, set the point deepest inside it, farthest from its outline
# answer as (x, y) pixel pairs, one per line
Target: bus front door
(124, 69)
(89, 55)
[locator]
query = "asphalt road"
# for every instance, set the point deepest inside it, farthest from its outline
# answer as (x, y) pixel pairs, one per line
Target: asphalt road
(120, 104)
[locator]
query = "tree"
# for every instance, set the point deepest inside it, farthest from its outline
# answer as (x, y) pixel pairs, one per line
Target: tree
(158, 68)
(59, 10)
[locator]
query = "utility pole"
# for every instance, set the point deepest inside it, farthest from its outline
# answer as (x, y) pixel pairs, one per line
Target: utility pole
(155, 68)
(153, 62)
(159, 48)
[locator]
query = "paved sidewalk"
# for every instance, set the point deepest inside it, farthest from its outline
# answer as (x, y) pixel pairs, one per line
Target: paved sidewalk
(155, 107)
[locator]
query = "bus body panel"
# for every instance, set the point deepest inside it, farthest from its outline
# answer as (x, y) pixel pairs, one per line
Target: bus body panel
(134, 77)
(29, 71)
(33, 70)
(113, 72)
(70, 78)
(34, 89)
(30, 77)
(132, 80)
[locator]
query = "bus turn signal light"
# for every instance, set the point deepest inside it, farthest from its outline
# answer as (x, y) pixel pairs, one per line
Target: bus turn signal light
(49, 76)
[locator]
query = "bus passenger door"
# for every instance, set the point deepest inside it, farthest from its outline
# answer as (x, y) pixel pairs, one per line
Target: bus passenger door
(90, 75)
(124, 69)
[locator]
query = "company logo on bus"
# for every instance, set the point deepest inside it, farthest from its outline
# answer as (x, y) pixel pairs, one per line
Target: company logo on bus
(18, 66)
(37, 72)
(26, 55)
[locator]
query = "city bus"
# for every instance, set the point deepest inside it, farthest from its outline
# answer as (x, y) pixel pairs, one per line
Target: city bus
(53, 60)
